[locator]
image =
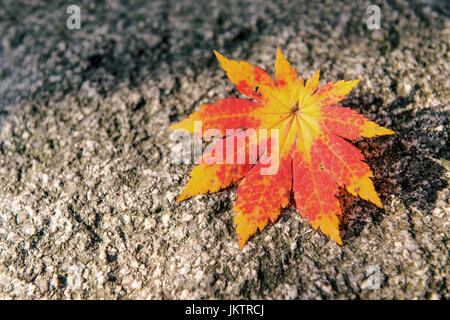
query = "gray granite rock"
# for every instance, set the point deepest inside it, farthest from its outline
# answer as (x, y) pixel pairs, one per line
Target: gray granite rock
(87, 202)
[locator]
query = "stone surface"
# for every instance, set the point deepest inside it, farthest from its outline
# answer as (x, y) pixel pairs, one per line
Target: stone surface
(87, 205)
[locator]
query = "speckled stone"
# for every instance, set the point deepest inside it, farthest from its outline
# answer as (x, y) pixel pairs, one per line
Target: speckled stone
(87, 195)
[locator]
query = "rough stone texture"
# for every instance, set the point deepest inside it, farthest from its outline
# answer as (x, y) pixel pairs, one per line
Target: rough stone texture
(87, 205)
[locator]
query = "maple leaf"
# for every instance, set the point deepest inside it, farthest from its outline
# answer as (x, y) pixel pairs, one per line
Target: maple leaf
(313, 157)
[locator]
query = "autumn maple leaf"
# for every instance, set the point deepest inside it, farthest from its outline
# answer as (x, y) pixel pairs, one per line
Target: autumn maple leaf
(314, 159)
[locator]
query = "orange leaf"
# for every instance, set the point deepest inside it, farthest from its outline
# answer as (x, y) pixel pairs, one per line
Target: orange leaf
(302, 155)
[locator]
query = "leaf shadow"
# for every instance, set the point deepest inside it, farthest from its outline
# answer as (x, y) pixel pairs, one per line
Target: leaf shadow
(405, 165)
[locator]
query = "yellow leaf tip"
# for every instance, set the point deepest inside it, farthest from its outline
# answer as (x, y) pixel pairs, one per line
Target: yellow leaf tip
(183, 195)
(279, 50)
(329, 225)
(382, 131)
(334, 235)
(219, 57)
(378, 203)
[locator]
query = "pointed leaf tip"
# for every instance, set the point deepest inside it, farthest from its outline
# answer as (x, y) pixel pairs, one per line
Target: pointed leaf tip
(220, 57)
(279, 52)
